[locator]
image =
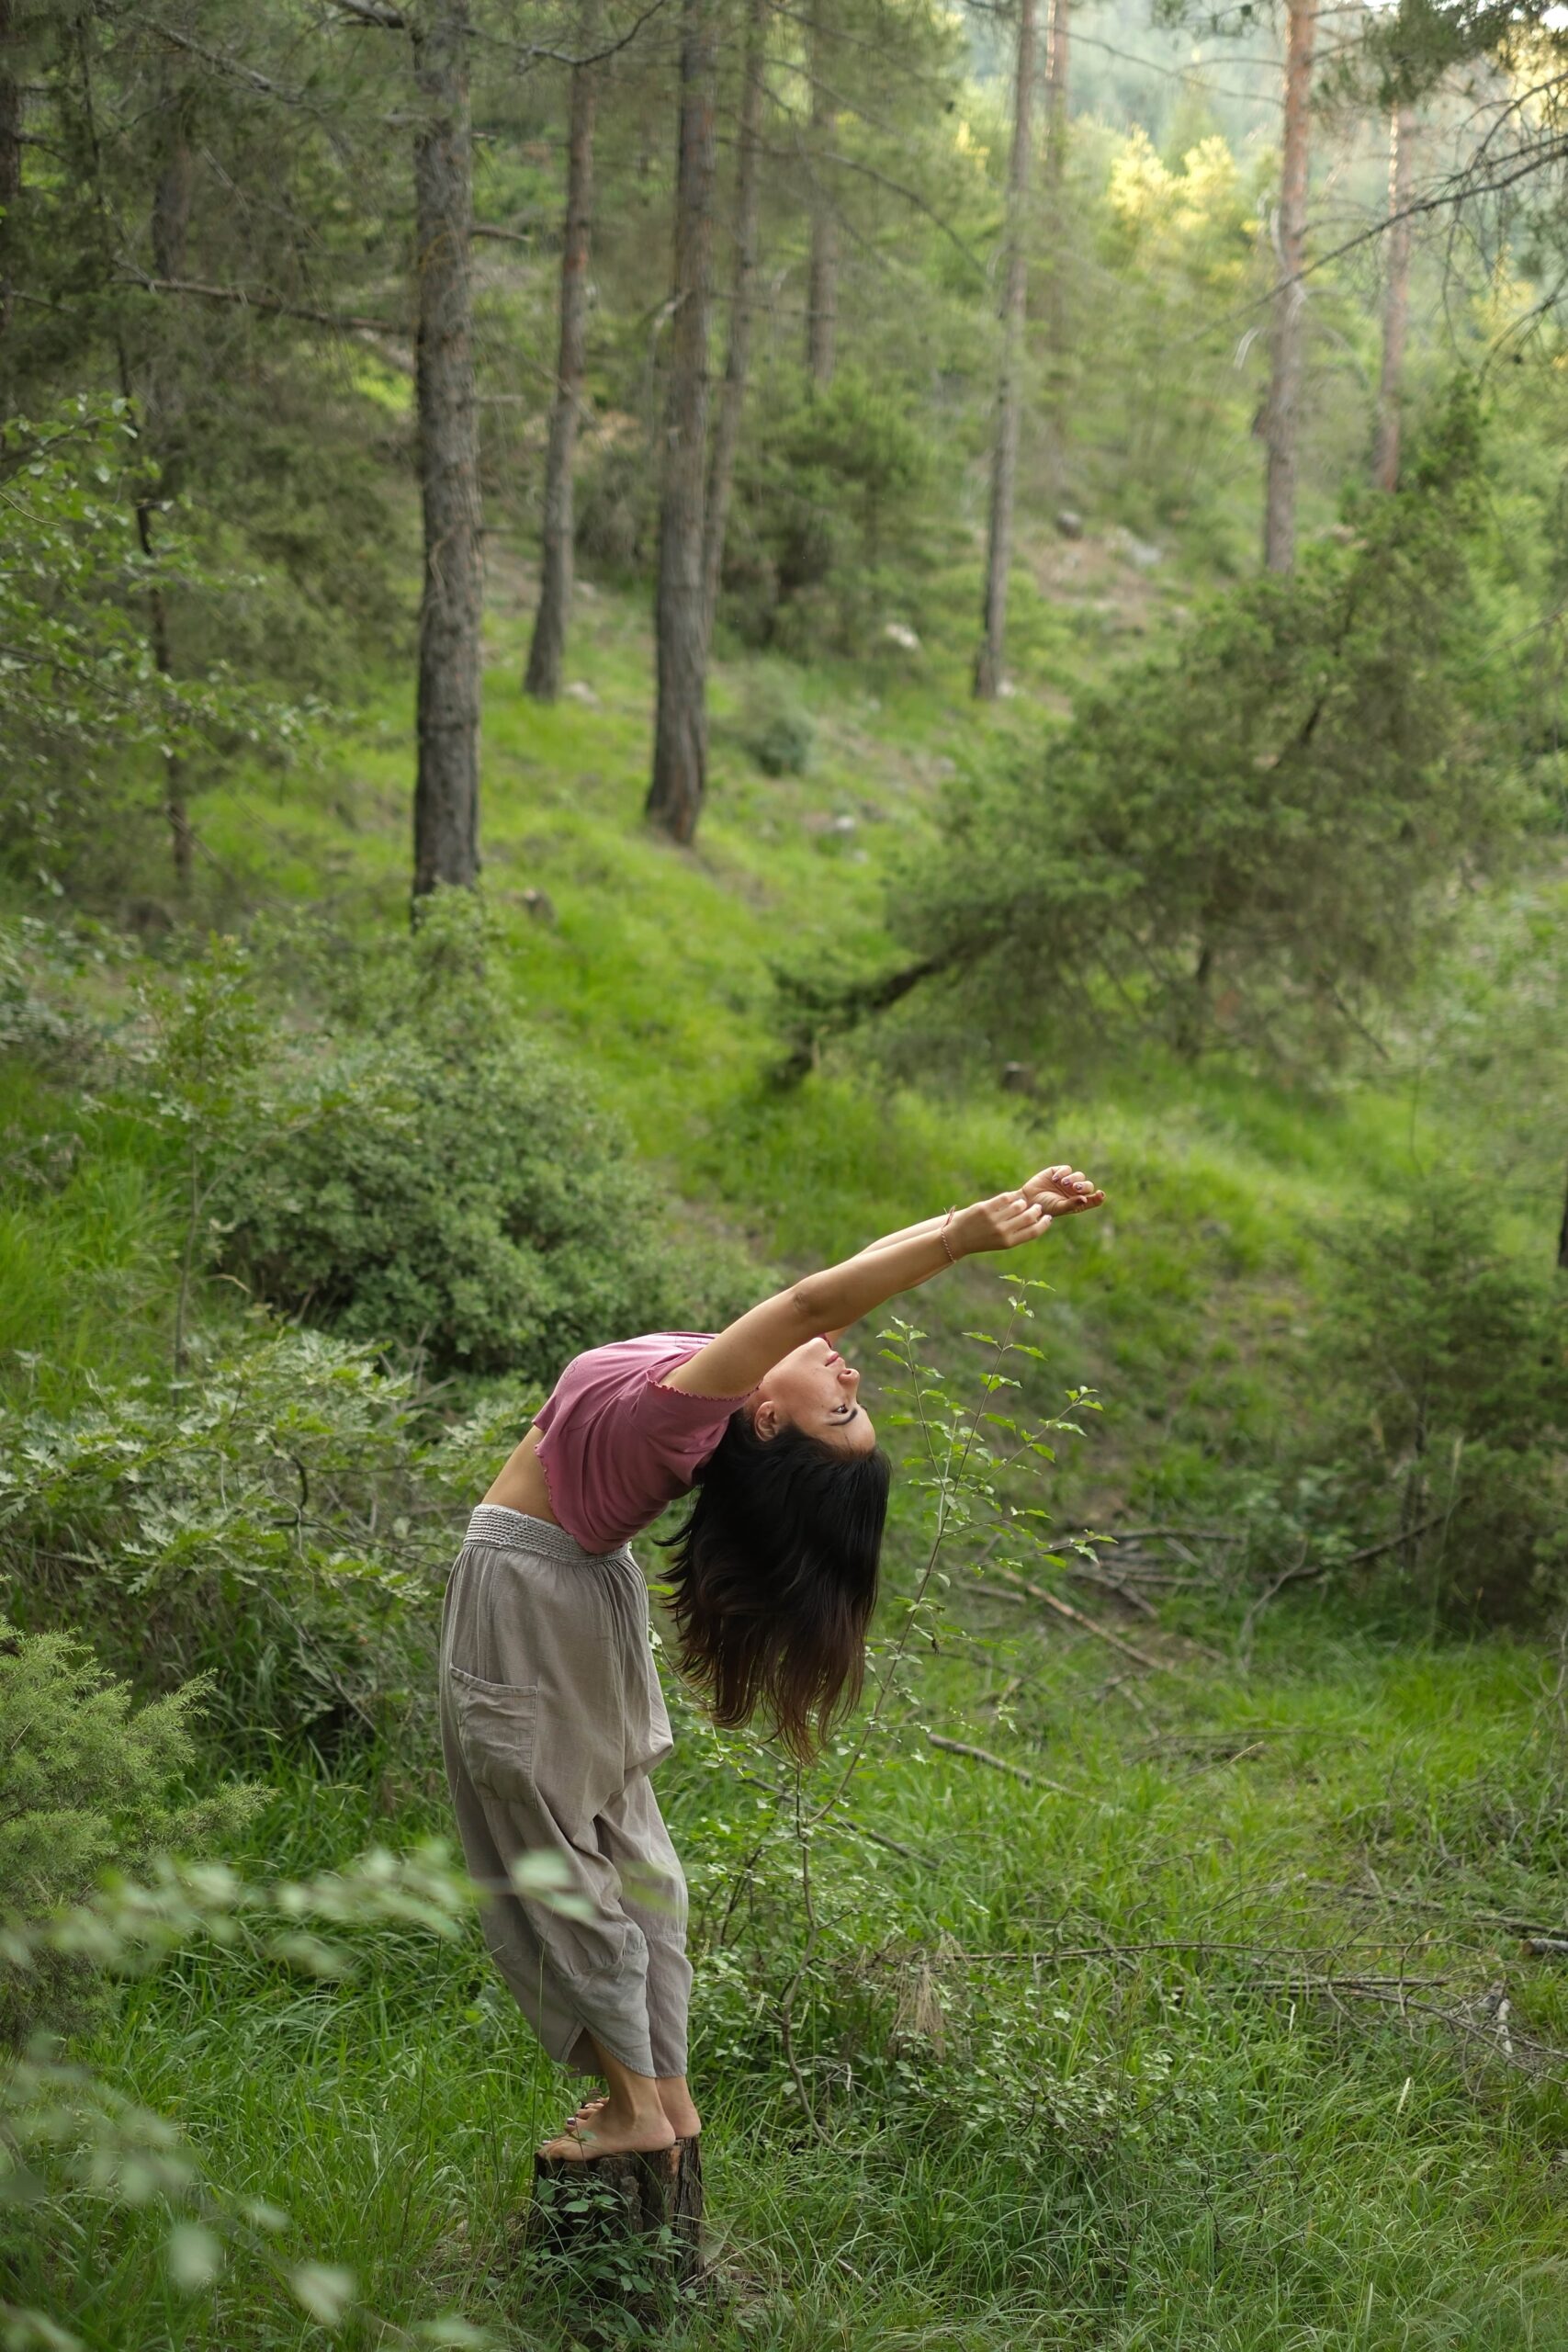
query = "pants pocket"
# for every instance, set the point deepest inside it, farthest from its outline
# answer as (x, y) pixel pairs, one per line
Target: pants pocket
(495, 1723)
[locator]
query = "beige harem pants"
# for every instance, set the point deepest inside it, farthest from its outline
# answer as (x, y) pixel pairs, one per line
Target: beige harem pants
(551, 1720)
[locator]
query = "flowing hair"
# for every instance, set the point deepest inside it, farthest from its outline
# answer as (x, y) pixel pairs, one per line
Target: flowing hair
(774, 1580)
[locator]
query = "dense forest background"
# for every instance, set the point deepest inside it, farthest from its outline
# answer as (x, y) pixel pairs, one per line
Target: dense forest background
(904, 592)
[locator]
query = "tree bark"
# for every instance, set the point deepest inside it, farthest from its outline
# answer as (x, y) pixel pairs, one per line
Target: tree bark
(822, 265)
(742, 299)
(1396, 299)
(989, 661)
(657, 2200)
(680, 746)
(1058, 45)
(446, 790)
(163, 417)
(1282, 414)
(10, 178)
(548, 646)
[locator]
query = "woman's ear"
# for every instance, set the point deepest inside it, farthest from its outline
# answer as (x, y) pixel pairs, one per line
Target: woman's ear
(766, 1418)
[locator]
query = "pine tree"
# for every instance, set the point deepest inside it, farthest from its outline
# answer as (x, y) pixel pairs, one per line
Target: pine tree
(989, 664)
(549, 643)
(447, 789)
(1282, 415)
(680, 731)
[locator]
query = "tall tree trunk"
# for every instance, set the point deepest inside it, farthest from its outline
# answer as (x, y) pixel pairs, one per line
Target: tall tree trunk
(446, 791)
(163, 417)
(742, 297)
(548, 645)
(989, 663)
(1396, 299)
(1282, 415)
(681, 727)
(1058, 48)
(822, 266)
(10, 181)
(171, 222)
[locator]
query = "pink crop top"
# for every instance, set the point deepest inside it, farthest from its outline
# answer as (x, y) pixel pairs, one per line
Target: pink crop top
(616, 1445)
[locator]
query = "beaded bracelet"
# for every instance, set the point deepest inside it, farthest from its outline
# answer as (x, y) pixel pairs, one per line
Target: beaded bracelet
(947, 1220)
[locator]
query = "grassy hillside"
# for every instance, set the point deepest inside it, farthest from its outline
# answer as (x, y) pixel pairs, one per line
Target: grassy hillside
(1216, 2002)
(657, 964)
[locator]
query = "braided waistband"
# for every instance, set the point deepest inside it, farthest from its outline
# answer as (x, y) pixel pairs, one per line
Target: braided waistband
(515, 1530)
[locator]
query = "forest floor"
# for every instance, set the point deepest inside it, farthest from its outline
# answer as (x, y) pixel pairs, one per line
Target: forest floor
(1220, 2000)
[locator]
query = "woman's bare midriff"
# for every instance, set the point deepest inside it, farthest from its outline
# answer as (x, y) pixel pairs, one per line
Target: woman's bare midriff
(522, 1485)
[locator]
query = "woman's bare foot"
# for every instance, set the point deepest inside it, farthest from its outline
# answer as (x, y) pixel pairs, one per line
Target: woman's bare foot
(679, 2108)
(680, 2111)
(609, 2129)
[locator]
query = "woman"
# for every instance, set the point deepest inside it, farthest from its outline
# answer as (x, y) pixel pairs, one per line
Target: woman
(551, 1713)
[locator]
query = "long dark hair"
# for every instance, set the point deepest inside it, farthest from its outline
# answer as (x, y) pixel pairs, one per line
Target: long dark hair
(774, 1579)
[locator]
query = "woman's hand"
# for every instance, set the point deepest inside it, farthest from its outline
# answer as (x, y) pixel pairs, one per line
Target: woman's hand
(1003, 1223)
(1063, 1190)
(1011, 1218)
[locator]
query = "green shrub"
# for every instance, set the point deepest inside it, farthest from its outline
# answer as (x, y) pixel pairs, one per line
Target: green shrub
(476, 1213)
(89, 1783)
(273, 1522)
(1245, 839)
(1446, 1362)
(776, 728)
(436, 1182)
(828, 505)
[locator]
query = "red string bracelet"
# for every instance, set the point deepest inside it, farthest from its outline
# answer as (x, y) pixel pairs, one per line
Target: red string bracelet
(947, 1220)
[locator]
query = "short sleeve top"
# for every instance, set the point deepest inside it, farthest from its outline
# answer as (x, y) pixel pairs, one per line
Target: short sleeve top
(615, 1444)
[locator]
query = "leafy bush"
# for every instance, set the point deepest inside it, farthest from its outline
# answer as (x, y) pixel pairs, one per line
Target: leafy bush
(88, 1782)
(1247, 836)
(90, 715)
(776, 725)
(615, 505)
(826, 499)
(1446, 1363)
(443, 1186)
(274, 1521)
(476, 1212)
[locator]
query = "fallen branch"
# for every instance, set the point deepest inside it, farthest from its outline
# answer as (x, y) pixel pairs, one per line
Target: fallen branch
(997, 1763)
(1193, 1534)
(1528, 1930)
(1089, 1624)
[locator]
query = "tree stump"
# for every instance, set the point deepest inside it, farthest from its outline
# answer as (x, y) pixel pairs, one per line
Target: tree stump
(598, 2210)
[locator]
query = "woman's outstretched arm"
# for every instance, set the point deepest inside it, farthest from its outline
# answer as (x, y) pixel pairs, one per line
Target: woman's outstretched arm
(733, 1363)
(1064, 1190)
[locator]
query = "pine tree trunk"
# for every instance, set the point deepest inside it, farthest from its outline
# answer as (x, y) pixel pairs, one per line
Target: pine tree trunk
(1282, 416)
(162, 423)
(10, 182)
(679, 745)
(446, 791)
(1396, 299)
(989, 664)
(822, 266)
(1058, 58)
(742, 297)
(548, 646)
(620, 2201)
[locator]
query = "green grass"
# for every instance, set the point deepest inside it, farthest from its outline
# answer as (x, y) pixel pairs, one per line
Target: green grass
(1144, 2120)
(1137, 2122)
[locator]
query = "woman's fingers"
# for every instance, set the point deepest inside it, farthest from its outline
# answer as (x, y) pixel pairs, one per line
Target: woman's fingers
(1064, 1189)
(1021, 1219)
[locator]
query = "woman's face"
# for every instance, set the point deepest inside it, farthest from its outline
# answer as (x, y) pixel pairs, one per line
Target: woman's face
(814, 1389)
